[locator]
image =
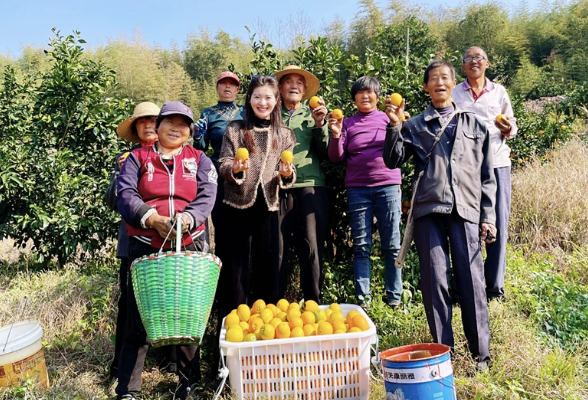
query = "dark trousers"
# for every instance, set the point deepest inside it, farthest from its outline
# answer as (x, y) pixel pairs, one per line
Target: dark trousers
(217, 211)
(495, 264)
(249, 248)
(135, 345)
(121, 318)
(249, 251)
(435, 236)
(303, 217)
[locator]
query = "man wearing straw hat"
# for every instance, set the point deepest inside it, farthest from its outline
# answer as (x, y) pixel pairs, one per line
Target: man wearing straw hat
(139, 129)
(304, 209)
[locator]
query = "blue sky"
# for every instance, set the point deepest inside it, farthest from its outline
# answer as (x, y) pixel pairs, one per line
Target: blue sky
(29, 22)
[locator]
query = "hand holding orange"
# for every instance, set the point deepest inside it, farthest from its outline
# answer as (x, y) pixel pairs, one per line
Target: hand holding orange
(337, 114)
(287, 156)
(242, 154)
(314, 102)
(502, 118)
(396, 99)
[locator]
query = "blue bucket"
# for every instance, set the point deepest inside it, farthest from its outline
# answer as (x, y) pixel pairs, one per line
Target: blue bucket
(418, 372)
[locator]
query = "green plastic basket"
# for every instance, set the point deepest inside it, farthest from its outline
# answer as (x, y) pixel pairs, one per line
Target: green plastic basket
(174, 293)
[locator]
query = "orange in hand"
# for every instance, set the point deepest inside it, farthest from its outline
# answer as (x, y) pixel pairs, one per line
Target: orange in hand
(337, 114)
(242, 154)
(396, 99)
(314, 102)
(286, 156)
(501, 118)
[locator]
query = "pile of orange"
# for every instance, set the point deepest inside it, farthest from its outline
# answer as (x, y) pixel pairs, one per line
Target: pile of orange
(288, 320)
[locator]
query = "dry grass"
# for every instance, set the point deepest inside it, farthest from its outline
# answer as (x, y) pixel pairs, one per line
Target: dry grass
(522, 366)
(549, 202)
(63, 302)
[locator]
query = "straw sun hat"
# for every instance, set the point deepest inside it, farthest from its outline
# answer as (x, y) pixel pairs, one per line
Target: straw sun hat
(145, 109)
(312, 82)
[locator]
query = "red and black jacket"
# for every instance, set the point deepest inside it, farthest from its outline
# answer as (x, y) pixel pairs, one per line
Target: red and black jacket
(146, 183)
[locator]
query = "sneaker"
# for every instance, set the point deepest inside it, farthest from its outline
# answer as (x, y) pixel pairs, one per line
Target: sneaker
(184, 392)
(393, 304)
(482, 366)
(364, 301)
(128, 396)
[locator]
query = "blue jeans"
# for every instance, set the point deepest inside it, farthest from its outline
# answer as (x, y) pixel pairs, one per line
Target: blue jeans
(383, 202)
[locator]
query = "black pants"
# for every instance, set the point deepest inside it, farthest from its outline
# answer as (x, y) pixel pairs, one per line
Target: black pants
(303, 218)
(217, 213)
(135, 345)
(121, 318)
(249, 247)
(249, 251)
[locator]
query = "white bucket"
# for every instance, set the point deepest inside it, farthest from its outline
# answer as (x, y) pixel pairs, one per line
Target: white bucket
(23, 357)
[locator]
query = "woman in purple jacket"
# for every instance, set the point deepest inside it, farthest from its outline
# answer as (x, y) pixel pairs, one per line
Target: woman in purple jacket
(372, 188)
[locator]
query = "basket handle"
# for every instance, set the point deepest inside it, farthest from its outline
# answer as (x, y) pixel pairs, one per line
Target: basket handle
(178, 222)
(178, 232)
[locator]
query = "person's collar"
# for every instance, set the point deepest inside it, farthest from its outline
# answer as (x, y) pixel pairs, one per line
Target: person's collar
(296, 106)
(365, 114)
(149, 143)
(261, 123)
(489, 86)
(225, 103)
(431, 112)
(301, 109)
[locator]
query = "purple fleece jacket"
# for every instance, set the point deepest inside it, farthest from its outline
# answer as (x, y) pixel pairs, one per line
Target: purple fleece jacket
(362, 143)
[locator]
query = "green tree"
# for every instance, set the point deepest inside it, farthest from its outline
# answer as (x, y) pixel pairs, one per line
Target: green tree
(205, 57)
(136, 65)
(56, 151)
(391, 40)
(33, 60)
(487, 26)
(364, 27)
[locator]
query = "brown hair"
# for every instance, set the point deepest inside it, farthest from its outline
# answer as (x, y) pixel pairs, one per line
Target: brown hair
(249, 117)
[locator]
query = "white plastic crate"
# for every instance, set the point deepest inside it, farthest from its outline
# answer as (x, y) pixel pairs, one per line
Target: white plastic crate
(308, 368)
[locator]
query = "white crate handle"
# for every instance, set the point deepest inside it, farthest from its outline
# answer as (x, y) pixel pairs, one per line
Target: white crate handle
(223, 373)
(376, 362)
